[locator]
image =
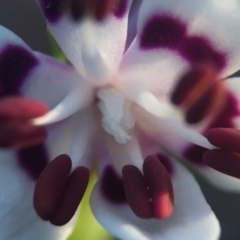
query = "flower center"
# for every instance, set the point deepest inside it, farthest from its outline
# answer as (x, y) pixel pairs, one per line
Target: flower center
(117, 117)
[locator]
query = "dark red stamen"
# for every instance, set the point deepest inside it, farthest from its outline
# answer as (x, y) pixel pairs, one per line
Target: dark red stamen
(50, 186)
(160, 187)
(12, 108)
(227, 163)
(20, 135)
(211, 102)
(136, 192)
(225, 138)
(149, 195)
(74, 190)
(192, 84)
(201, 108)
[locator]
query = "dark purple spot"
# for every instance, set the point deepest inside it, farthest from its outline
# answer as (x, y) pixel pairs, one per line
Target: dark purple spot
(15, 64)
(166, 162)
(162, 31)
(194, 154)
(33, 160)
(112, 186)
(52, 9)
(198, 50)
(223, 119)
(121, 10)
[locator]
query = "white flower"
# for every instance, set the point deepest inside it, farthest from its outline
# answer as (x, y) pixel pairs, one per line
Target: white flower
(114, 104)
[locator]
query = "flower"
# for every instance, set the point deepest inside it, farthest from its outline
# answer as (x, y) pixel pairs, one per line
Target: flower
(114, 103)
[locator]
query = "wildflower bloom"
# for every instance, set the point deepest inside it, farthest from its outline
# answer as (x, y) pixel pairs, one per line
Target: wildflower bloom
(114, 104)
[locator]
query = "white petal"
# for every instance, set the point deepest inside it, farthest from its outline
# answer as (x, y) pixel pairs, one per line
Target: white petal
(19, 220)
(157, 70)
(74, 136)
(192, 217)
(187, 39)
(195, 16)
(60, 86)
(162, 114)
(118, 154)
(193, 154)
(92, 47)
(35, 75)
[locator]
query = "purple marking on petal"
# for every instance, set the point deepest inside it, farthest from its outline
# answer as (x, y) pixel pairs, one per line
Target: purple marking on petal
(52, 9)
(224, 119)
(112, 186)
(15, 64)
(194, 155)
(33, 160)
(166, 162)
(121, 10)
(162, 31)
(198, 50)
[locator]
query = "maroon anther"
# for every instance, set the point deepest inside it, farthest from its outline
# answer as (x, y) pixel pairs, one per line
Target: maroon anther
(15, 126)
(57, 195)
(136, 192)
(50, 186)
(150, 195)
(160, 187)
(210, 102)
(192, 84)
(226, 138)
(20, 135)
(20, 108)
(222, 161)
(74, 190)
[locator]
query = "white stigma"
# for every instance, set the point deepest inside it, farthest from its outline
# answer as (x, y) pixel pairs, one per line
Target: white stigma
(117, 118)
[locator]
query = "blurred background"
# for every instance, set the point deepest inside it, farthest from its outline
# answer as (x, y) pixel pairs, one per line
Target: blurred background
(25, 20)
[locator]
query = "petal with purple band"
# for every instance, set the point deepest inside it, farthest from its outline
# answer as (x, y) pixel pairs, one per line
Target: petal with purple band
(34, 76)
(228, 117)
(218, 179)
(74, 136)
(158, 56)
(20, 220)
(195, 16)
(107, 38)
(192, 217)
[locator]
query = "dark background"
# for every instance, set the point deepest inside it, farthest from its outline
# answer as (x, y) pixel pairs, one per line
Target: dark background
(23, 18)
